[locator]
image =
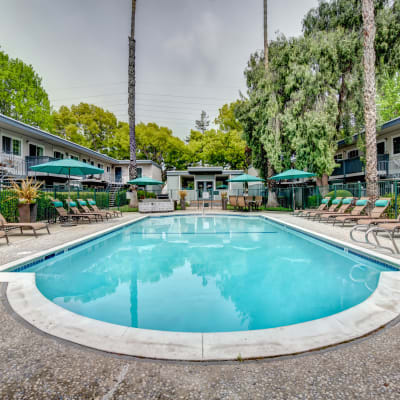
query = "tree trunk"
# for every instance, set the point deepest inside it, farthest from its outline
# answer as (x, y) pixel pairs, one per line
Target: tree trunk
(272, 199)
(131, 106)
(371, 173)
(266, 34)
(323, 184)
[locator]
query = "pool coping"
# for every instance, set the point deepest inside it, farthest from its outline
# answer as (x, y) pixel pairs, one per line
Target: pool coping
(376, 311)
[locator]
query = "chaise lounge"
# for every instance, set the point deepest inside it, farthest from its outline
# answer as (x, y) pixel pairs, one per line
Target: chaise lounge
(34, 226)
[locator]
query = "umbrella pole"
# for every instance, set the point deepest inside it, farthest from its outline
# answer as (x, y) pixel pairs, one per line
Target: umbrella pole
(69, 188)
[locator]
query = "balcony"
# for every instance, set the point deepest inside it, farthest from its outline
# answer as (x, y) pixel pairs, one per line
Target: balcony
(31, 161)
(355, 165)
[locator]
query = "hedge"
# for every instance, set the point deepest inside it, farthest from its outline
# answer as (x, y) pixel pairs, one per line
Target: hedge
(339, 193)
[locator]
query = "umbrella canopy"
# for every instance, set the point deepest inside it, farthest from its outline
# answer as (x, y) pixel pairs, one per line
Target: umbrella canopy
(246, 178)
(292, 174)
(144, 181)
(67, 167)
(222, 187)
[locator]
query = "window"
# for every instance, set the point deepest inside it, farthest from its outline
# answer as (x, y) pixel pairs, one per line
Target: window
(352, 154)
(84, 160)
(11, 146)
(338, 157)
(380, 148)
(108, 169)
(396, 145)
(139, 172)
(100, 166)
(35, 151)
(58, 155)
(74, 157)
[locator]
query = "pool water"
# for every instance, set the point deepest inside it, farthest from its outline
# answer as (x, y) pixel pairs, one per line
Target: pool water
(206, 274)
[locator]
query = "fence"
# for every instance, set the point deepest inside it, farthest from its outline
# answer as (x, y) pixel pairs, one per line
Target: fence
(46, 211)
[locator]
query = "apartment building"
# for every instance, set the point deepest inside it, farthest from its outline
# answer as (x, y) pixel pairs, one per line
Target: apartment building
(348, 156)
(23, 146)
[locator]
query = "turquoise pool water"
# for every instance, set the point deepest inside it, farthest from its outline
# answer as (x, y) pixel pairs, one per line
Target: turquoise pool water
(206, 274)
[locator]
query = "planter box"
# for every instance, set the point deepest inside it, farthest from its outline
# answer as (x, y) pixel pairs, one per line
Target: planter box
(27, 212)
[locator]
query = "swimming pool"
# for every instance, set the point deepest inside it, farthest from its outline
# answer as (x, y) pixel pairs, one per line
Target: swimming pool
(206, 274)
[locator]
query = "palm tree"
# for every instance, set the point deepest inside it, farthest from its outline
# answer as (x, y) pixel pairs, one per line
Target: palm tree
(131, 104)
(371, 173)
(272, 200)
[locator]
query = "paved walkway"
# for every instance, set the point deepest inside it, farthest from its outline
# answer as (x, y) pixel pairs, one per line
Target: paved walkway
(36, 366)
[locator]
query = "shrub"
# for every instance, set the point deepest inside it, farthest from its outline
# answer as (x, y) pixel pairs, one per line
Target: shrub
(339, 193)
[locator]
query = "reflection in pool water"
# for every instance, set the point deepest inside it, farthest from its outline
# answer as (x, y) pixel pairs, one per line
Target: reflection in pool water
(206, 274)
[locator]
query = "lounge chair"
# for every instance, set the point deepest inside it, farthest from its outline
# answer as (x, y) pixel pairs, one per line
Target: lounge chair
(323, 206)
(375, 217)
(335, 205)
(346, 204)
(358, 210)
(86, 210)
(73, 207)
(35, 226)
(390, 229)
(233, 201)
(241, 202)
(94, 207)
(63, 215)
(3, 234)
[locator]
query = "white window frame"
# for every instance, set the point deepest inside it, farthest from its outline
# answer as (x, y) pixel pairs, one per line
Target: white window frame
(352, 158)
(59, 151)
(37, 145)
(384, 145)
(395, 137)
(21, 142)
(73, 155)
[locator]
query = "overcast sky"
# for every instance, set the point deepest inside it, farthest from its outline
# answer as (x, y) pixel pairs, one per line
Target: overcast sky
(190, 54)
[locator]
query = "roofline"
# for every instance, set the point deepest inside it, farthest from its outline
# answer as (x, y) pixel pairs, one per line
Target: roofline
(46, 135)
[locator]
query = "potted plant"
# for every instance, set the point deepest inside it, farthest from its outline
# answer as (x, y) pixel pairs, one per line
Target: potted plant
(182, 196)
(26, 193)
(224, 200)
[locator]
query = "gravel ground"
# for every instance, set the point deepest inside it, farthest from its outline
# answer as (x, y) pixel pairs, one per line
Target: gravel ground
(36, 366)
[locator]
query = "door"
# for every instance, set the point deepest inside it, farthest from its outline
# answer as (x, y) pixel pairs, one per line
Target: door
(118, 174)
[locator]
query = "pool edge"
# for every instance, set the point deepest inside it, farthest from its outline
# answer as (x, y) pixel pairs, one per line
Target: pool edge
(375, 312)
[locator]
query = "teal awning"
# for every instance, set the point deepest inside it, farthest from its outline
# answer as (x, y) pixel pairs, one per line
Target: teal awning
(67, 167)
(144, 181)
(292, 174)
(246, 178)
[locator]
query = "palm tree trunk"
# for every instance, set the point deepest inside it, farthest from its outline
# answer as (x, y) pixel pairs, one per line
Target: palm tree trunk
(371, 173)
(272, 200)
(131, 106)
(266, 34)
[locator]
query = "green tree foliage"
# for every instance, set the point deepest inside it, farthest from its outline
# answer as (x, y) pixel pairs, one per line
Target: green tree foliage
(311, 96)
(22, 95)
(85, 124)
(223, 147)
(203, 123)
(153, 143)
(388, 101)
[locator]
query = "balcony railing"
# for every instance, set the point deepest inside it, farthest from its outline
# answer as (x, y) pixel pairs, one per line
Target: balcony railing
(355, 165)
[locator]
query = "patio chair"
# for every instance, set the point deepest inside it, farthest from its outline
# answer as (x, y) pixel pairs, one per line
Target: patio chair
(375, 217)
(241, 202)
(359, 209)
(86, 210)
(94, 207)
(335, 205)
(347, 203)
(323, 206)
(233, 201)
(63, 215)
(390, 229)
(73, 207)
(34, 226)
(3, 234)
(258, 201)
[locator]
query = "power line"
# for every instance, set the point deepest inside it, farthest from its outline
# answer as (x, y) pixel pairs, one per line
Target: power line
(142, 94)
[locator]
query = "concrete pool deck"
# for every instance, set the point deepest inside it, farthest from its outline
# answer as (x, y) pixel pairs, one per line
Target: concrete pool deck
(274, 379)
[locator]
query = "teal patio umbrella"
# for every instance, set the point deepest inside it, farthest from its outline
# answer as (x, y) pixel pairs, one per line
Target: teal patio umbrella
(67, 167)
(246, 178)
(144, 181)
(292, 174)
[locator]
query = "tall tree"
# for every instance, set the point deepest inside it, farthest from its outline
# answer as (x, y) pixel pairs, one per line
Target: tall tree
(369, 30)
(22, 95)
(266, 34)
(203, 123)
(131, 104)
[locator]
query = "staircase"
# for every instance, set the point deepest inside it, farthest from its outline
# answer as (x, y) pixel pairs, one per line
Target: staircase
(113, 189)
